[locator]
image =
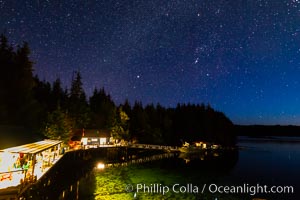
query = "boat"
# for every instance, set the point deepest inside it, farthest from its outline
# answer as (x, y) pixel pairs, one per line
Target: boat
(191, 149)
(198, 147)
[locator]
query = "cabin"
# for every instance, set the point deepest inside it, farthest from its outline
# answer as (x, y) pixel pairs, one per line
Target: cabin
(93, 138)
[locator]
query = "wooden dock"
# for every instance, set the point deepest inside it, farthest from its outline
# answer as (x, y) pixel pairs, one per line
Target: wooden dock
(153, 146)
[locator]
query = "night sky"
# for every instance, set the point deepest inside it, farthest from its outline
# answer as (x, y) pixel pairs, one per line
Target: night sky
(240, 56)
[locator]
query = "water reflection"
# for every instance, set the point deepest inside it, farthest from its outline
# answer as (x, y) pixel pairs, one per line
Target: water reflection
(81, 179)
(164, 170)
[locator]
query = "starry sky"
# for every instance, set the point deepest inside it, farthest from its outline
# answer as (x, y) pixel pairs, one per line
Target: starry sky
(240, 56)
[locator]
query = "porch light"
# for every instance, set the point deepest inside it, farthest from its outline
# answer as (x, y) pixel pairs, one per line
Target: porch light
(100, 166)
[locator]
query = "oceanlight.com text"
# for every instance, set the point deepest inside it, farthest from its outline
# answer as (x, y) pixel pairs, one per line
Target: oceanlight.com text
(250, 189)
(210, 188)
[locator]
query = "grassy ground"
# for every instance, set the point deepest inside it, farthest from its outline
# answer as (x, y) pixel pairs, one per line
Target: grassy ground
(111, 184)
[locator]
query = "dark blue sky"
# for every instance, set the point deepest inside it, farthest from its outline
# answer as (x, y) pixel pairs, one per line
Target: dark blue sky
(240, 56)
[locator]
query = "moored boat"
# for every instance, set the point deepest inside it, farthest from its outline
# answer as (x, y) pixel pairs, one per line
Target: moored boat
(191, 149)
(198, 147)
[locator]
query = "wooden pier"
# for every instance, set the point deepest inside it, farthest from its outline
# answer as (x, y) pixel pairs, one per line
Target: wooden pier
(153, 146)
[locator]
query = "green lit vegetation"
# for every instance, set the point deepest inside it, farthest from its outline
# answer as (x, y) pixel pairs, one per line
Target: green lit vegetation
(111, 183)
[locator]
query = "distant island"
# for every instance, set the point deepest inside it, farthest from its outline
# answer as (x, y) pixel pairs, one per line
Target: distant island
(266, 130)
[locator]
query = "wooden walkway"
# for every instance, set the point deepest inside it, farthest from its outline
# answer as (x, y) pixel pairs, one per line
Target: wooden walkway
(141, 160)
(153, 146)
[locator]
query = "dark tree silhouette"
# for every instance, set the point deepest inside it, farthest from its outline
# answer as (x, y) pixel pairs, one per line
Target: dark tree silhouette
(58, 126)
(77, 105)
(103, 110)
(175, 125)
(59, 97)
(18, 105)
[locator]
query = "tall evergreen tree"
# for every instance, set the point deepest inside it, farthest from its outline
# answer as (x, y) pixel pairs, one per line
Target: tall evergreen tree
(6, 66)
(103, 110)
(119, 129)
(24, 84)
(42, 94)
(17, 103)
(138, 123)
(58, 126)
(77, 104)
(58, 95)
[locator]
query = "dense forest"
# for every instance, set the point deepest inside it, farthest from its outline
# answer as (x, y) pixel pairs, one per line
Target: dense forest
(48, 109)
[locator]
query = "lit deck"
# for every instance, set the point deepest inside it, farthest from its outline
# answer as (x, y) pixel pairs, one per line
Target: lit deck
(41, 159)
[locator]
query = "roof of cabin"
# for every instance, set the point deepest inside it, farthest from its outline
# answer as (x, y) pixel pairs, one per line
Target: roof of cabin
(32, 148)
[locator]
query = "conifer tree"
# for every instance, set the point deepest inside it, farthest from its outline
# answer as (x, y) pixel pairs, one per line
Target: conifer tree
(103, 110)
(58, 126)
(18, 106)
(77, 104)
(119, 129)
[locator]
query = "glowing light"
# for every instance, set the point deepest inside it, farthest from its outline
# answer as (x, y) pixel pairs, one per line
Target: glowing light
(100, 166)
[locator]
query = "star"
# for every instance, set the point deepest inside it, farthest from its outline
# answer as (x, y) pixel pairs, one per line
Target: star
(207, 52)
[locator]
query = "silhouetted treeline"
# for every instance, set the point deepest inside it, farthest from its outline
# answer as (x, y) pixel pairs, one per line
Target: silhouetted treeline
(49, 109)
(156, 124)
(262, 131)
(17, 103)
